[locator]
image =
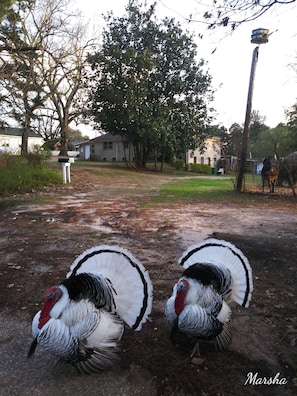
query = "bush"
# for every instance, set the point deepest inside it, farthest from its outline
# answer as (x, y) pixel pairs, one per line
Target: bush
(20, 174)
(38, 156)
(178, 163)
(200, 168)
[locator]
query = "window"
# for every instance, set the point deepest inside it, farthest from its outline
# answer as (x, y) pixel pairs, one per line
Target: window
(4, 142)
(107, 145)
(202, 160)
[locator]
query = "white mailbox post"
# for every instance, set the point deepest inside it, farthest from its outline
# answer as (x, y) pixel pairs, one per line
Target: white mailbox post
(66, 162)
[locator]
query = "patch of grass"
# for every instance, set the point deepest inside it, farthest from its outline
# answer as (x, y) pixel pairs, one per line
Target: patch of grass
(26, 179)
(196, 188)
(117, 166)
(105, 169)
(19, 175)
(252, 181)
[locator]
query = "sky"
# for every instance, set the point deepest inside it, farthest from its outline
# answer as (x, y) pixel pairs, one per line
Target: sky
(229, 57)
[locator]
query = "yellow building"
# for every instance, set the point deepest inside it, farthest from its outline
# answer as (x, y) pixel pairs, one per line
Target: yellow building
(209, 155)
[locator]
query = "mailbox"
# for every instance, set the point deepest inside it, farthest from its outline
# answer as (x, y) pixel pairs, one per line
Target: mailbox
(64, 160)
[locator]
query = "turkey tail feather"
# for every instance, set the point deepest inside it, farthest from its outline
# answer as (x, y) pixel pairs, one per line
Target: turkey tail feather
(130, 280)
(222, 254)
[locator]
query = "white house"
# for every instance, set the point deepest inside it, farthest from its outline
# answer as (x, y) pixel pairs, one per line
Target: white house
(11, 140)
(107, 147)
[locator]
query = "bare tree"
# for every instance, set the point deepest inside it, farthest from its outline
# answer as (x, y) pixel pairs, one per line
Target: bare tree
(20, 85)
(62, 62)
(61, 42)
(232, 13)
(63, 69)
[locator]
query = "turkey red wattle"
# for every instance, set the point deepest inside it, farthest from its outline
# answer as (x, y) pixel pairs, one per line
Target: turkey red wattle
(53, 294)
(181, 293)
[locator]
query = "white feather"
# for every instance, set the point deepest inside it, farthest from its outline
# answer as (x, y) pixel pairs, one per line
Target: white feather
(81, 317)
(61, 303)
(56, 338)
(108, 332)
(35, 321)
(224, 315)
(195, 321)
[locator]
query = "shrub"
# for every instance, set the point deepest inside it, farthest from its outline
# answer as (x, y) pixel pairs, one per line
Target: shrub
(200, 168)
(9, 161)
(20, 174)
(178, 163)
(38, 156)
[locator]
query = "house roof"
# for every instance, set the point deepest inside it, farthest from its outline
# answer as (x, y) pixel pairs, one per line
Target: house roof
(106, 137)
(8, 131)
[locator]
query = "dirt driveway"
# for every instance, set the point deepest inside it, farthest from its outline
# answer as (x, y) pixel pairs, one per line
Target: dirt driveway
(42, 233)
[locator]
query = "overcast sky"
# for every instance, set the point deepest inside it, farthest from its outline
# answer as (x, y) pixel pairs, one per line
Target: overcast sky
(229, 58)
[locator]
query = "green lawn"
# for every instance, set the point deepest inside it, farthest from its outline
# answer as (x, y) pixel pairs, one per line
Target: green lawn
(196, 188)
(19, 176)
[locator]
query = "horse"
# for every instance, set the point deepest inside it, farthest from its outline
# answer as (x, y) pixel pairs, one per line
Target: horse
(269, 173)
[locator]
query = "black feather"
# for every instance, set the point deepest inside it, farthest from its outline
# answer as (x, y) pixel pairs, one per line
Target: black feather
(32, 348)
(174, 329)
(91, 287)
(208, 274)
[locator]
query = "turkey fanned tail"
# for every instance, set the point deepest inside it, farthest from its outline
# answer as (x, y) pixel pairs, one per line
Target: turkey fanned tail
(225, 258)
(129, 279)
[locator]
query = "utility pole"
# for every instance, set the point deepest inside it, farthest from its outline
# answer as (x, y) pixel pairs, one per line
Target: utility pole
(247, 123)
(259, 36)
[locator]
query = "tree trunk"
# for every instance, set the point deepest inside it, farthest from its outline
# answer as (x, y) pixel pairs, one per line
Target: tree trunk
(64, 137)
(64, 144)
(25, 136)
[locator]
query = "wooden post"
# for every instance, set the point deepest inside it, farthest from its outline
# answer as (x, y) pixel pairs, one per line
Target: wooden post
(246, 129)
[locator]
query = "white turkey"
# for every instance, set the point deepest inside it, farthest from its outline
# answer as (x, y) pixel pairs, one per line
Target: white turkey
(82, 319)
(216, 272)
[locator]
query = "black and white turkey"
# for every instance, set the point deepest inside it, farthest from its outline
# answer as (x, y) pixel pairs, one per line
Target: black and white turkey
(215, 273)
(82, 319)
